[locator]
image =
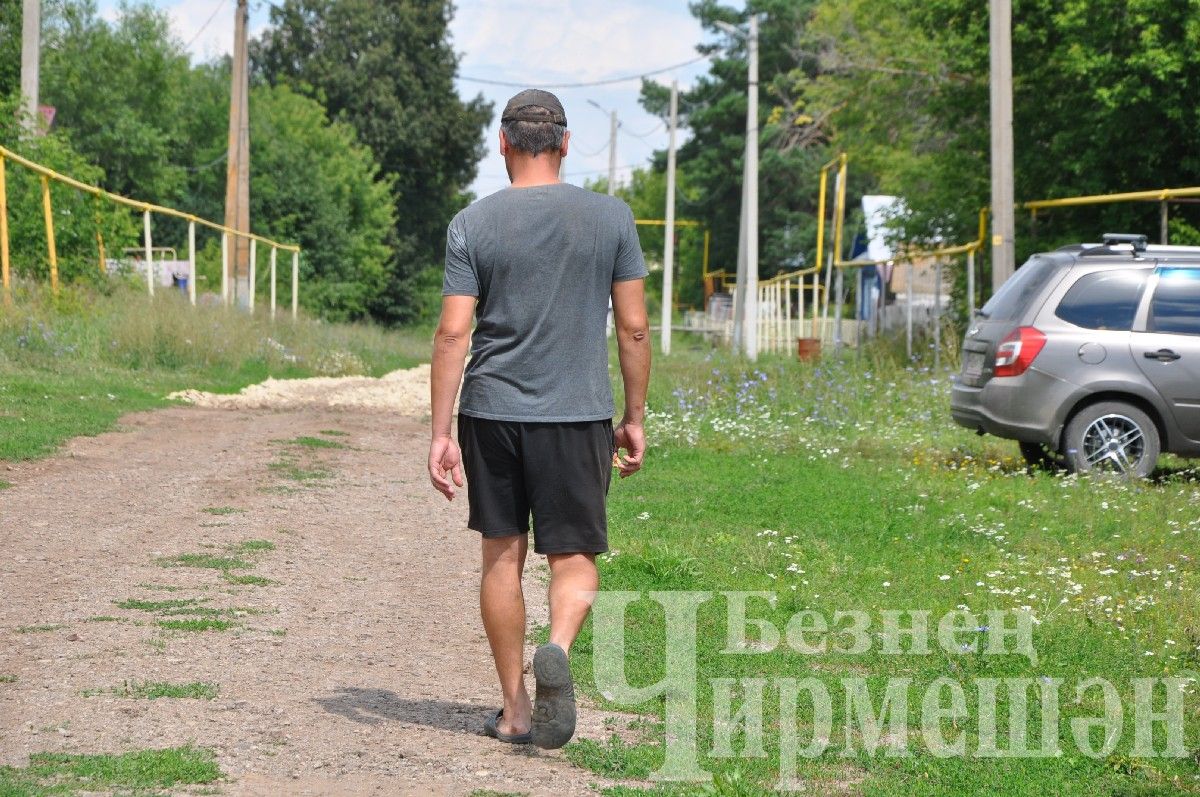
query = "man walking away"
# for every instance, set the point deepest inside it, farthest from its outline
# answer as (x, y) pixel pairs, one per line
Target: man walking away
(536, 265)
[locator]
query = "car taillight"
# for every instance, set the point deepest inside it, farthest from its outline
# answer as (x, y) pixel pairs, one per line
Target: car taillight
(1017, 352)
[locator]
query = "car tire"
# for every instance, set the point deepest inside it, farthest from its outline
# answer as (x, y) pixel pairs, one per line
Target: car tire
(1114, 436)
(1039, 456)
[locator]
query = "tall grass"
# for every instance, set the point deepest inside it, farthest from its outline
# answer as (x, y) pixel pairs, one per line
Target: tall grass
(118, 326)
(73, 364)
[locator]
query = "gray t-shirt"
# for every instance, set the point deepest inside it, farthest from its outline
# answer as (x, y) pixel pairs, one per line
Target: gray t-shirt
(542, 261)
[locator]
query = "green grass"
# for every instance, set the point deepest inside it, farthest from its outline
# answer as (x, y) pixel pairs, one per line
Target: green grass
(253, 546)
(204, 560)
(289, 469)
(199, 624)
(140, 771)
(313, 442)
(222, 510)
(333, 433)
(155, 606)
(103, 618)
(153, 690)
(5, 485)
(38, 629)
(73, 366)
(844, 486)
(247, 579)
(7, 679)
(162, 587)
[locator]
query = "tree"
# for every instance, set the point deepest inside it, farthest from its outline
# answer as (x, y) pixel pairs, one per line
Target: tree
(646, 195)
(1101, 104)
(387, 69)
(10, 47)
(312, 182)
(121, 91)
(711, 161)
(77, 216)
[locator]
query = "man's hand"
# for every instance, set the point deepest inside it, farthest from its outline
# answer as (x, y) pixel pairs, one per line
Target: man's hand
(445, 463)
(632, 438)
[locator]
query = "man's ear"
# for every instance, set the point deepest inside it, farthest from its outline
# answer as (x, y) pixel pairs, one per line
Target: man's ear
(503, 144)
(562, 152)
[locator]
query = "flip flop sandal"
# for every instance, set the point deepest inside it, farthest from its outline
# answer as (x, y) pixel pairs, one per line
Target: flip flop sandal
(491, 727)
(554, 700)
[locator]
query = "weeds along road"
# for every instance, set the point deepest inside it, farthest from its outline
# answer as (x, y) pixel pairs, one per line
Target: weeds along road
(295, 560)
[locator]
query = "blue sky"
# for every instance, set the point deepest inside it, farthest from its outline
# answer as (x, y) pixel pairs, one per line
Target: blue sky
(529, 41)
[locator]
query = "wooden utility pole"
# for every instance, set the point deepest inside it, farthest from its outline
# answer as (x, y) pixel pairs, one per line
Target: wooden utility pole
(31, 47)
(668, 299)
(237, 176)
(1003, 210)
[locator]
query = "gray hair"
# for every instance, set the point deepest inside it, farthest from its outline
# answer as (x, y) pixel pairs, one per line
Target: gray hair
(534, 137)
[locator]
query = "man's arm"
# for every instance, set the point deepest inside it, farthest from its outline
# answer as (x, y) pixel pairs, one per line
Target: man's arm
(633, 350)
(450, 344)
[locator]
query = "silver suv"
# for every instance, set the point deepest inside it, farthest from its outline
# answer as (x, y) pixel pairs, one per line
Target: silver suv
(1089, 357)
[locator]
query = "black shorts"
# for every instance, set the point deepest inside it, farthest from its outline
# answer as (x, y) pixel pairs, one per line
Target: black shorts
(558, 471)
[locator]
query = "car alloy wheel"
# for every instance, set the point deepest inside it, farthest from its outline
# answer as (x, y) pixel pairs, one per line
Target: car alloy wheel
(1114, 442)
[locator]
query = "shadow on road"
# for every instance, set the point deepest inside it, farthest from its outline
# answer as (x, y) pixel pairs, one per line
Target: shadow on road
(373, 706)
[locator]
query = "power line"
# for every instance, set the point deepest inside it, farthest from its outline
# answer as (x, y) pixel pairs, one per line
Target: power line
(605, 82)
(603, 147)
(642, 136)
(604, 171)
(204, 27)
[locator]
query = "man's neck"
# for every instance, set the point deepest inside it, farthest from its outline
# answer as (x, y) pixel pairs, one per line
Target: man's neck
(532, 181)
(530, 172)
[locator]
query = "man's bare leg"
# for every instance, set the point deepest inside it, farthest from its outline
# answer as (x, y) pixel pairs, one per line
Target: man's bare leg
(573, 584)
(502, 605)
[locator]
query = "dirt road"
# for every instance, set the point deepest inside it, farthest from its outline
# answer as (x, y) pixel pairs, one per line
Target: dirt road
(353, 663)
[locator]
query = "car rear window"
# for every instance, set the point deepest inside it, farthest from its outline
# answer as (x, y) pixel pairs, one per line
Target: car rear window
(1014, 296)
(1104, 299)
(1175, 306)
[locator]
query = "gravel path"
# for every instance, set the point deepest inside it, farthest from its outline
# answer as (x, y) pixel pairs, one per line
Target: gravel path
(361, 668)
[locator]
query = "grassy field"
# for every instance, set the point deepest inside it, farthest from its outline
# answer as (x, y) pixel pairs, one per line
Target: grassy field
(840, 486)
(844, 487)
(73, 365)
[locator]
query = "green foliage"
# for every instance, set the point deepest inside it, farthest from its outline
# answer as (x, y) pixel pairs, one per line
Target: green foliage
(10, 47)
(387, 70)
(711, 161)
(311, 182)
(1102, 101)
(646, 195)
(122, 90)
(77, 216)
(156, 127)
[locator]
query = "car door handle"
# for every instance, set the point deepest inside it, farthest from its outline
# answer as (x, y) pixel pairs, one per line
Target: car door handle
(1162, 355)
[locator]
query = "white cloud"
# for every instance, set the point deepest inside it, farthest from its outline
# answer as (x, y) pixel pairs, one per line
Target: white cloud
(579, 40)
(206, 26)
(551, 41)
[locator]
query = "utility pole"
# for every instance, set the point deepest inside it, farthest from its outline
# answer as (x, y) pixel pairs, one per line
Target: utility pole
(739, 305)
(1003, 211)
(612, 153)
(750, 316)
(237, 175)
(31, 49)
(745, 312)
(612, 145)
(668, 299)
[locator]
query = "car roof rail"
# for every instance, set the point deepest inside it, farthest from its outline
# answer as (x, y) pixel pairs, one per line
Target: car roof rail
(1135, 242)
(1138, 242)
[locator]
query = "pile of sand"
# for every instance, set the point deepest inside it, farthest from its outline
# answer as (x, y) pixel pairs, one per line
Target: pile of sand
(405, 392)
